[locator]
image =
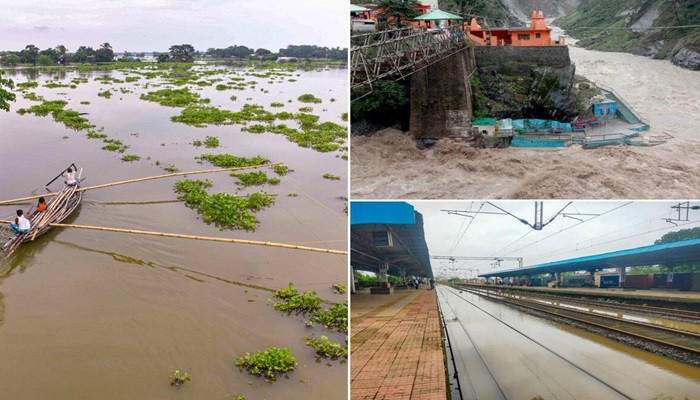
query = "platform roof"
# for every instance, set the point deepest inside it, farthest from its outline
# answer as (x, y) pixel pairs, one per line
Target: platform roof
(668, 254)
(409, 251)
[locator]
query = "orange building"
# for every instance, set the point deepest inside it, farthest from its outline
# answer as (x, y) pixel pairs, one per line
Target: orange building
(537, 34)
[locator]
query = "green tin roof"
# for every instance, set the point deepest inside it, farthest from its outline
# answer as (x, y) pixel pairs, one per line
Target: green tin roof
(437, 15)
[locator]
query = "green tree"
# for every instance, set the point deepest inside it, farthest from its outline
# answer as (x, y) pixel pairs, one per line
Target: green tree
(163, 57)
(5, 95)
(104, 53)
(182, 53)
(683, 234)
(10, 59)
(465, 5)
(61, 51)
(30, 54)
(395, 12)
(44, 60)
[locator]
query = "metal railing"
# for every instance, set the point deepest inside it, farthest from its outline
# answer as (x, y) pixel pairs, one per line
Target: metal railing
(624, 103)
(397, 53)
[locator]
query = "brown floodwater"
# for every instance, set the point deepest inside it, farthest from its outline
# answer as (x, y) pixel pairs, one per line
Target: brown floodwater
(86, 314)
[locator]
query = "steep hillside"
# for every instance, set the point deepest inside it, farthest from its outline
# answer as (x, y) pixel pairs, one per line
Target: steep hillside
(516, 12)
(633, 26)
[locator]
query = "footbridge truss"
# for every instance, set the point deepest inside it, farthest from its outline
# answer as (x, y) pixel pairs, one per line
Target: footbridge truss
(398, 53)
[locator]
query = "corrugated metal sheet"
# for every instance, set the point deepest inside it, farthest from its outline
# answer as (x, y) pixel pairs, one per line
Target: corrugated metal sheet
(382, 212)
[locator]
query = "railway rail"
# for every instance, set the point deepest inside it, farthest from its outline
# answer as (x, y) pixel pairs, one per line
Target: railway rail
(679, 340)
(499, 390)
(666, 312)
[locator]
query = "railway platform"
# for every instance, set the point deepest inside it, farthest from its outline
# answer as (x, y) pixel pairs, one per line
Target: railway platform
(652, 295)
(396, 346)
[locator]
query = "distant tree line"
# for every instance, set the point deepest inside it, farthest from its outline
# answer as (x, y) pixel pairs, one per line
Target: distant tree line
(302, 52)
(60, 55)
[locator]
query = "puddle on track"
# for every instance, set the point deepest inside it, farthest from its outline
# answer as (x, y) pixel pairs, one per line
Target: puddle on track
(115, 314)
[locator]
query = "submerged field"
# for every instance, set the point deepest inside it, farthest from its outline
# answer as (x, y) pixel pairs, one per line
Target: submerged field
(87, 314)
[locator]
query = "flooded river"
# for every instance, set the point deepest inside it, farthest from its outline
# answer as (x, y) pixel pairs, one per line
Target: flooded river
(87, 314)
(389, 166)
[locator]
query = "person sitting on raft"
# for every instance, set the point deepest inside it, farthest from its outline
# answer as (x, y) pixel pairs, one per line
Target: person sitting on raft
(21, 224)
(41, 207)
(70, 177)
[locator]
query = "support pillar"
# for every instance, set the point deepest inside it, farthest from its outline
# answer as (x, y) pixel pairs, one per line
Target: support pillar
(382, 278)
(591, 278)
(623, 274)
(441, 98)
(352, 280)
(557, 279)
(669, 276)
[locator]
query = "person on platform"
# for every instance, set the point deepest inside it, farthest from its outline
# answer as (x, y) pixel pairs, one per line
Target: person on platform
(41, 207)
(21, 224)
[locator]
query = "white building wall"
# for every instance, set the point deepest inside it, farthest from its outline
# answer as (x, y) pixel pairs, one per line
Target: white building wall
(432, 3)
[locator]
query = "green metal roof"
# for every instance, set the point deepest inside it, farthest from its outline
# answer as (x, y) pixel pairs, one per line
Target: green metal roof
(437, 15)
(356, 8)
(484, 121)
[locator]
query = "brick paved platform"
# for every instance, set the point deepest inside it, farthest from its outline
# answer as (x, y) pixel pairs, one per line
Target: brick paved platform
(396, 347)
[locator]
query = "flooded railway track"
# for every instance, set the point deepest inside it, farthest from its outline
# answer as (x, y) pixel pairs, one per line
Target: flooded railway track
(683, 341)
(665, 312)
(480, 375)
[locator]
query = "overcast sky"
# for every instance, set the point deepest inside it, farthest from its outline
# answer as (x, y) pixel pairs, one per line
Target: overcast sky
(634, 225)
(145, 25)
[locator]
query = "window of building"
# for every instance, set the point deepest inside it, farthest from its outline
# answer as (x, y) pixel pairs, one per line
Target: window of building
(523, 36)
(537, 35)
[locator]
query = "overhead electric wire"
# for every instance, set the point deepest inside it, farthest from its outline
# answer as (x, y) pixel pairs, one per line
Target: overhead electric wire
(464, 221)
(467, 228)
(603, 235)
(566, 229)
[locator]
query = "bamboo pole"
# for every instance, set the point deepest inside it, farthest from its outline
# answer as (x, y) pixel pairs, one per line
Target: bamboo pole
(205, 238)
(141, 180)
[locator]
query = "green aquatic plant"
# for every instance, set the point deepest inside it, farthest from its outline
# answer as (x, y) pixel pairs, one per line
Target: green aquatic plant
(290, 300)
(230, 161)
(306, 109)
(106, 94)
(281, 169)
(255, 178)
(344, 116)
(327, 349)
(211, 142)
(339, 288)
(28, 85)
(174, 97)
(193, 192)
(179, 378)
(130, 157)
(171, 168)
(335, 318)
(331, 177)
(256, 128)
(269, 363)
(233, 212)
(85, 102)
(292, 195)
(114, 145)
(94, 135)
(309, 98)
(70, 118)
(33, 97)
(197, 143)
(277, 104)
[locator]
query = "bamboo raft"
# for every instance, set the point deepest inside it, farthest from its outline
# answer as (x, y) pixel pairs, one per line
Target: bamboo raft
(63, 203)
(58, 208)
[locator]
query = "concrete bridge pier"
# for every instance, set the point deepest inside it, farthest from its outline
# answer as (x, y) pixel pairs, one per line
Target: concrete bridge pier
(441, 103)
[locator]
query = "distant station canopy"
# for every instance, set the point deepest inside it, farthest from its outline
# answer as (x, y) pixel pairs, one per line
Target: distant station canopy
(537, 34)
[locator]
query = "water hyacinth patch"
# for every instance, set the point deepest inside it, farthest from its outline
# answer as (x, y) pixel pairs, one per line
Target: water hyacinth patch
(70, 118)
(174, 97)
(309, 98)
(269, 363)
(327, 349)
(230, 161)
